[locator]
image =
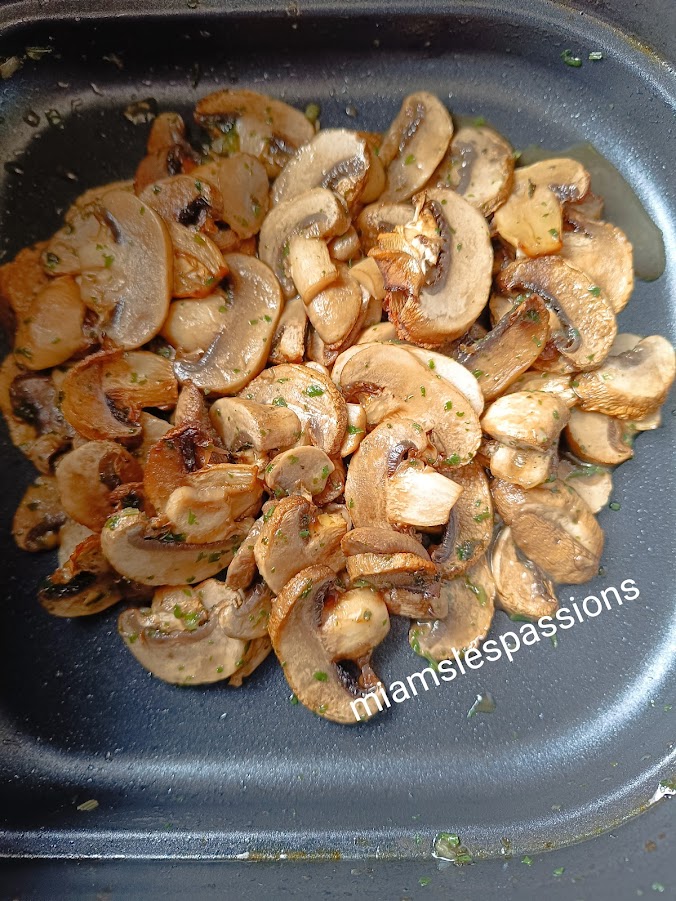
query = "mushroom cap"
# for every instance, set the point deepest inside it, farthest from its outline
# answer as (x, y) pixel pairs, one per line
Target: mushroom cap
(354, 623)
(471, 604)
(296, 535)
(478, 165)
(311, 395)
(244, 189)
(154, 556)
(522, 588)
(83, 585)
(334, 158)
(381, 540)
(288, 342)
(593, 483)
(631, 384)
(414, 145)
(193, 324)
(469, 529)
(588, 319)
(525, 467)
(317, 213)
(318, 683)
(51, 331)
(526, 419)
(244, 423)
(597, 438)
(241, 347)
(39, 518)
(389, 382)
(300, 470)
(453, 372)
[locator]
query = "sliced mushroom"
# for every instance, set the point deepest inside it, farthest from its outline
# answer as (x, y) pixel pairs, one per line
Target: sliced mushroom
(478, 165)
(369, 276)
(469, 529)
(345, 247)
(182, 450)
(193, 325)
(311, 267)
(70, 535)
(568, 548)
(39, 517)
(354, 623)
(87, 476)
(104, 393)
(531, 219)
(168, 151)
(588, 319)
(288, 342)
(603, 252)
(526, 419)
(523, 590)
(471, 604)
(379, 453)
(85, 584)
(186, 200)
(409, 582)
(380, 217)
(335, 310)
(302, 470)
(355, 429)
(243, 185)
(114, 280)
(240, 349)
(558, 384)
(593, 483)
(243, 614)
(381, 540)
(509, 349)
(419, 496)
(414, 145)
(597, 438)
(21, 280)
(243, 423)
(433, 302)
(312, 396)
(242, 570)
(632, 384)
(524, 467)
(199, 265)
(181, 640)
(388, 382)
(52, 330)
(318, 213)
(30, 405)
(454, 373)
(253, 123)
(318, 683)
(153, 555)
(335, 158)
(297, 535)
(258, 649)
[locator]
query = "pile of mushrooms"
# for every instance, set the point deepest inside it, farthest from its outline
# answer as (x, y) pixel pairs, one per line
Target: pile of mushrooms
(288, 383)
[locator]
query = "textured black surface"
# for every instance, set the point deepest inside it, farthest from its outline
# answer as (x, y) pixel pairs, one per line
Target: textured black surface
(583, 732)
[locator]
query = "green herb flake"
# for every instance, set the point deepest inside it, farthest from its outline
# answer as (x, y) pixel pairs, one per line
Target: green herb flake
(448, 405)
(320, 676)
(595, 290)
(353, 430)
(573, 61)
(527, 860)
(478, 373)
(409, 159)
(192, 519)
(304, 533)
(614, 505)
(424, 880)
(314, 391)
(559, 871)
(453, 460)
(279, 402)
(108, 260)
(595, 56)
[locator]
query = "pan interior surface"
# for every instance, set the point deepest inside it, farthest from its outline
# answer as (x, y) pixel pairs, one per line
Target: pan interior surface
(583, 732)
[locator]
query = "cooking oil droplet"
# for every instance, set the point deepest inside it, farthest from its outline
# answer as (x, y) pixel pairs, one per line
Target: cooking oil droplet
(13, 168)
(54, 117)
(31, 118)
(484, 704)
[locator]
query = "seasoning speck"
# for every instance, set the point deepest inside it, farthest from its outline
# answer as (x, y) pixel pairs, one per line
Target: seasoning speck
(92, 804)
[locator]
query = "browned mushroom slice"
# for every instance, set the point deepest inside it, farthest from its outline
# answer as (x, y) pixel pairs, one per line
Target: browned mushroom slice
(85, 584)
(39, 517)
(70, 535)
(297, 535)
(335, 158)
(311, 266)
(114, 275)
(379, 454)
(168, 151)
(524, 467)
(471, 604)
(240, 349)
(419, 496)
(30, 405)
(380, 217)
(52, 331)
(593, 483)
(242, 614)
(184, 449)
(104, 393)
(152, 555)
(318, 682)
(87, 476)
(589, 325)
(388, 381)
(311, 395)
(454, 288)
(478, 165)
(568, 548)
(301, 470)
(243, 185)
(414, 145)
(198, 266)
(353, 623)
(185, 199)
(20, 281)
(470, 525)
(335, 310)
(523, 590)
(242, 570)
(355, 430)
(243, 423)
(598, 438)
(409, 582)
(345, 247)
(253, 123)
(181, 638)
(454, 373)
(288, 342)
(257, 650)
(558, 384)
(511, 499)
(531, 219)
(602, 252)
(381, 540)
(193, 325)
(526, 419)
(318, 213)
(509, 349)
(632, 384)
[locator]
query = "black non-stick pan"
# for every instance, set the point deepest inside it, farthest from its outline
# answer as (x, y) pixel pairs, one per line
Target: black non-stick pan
(582, 734)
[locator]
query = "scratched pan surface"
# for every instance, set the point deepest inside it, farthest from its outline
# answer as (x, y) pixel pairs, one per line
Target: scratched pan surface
(582, 733)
